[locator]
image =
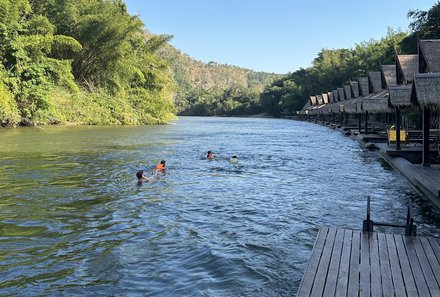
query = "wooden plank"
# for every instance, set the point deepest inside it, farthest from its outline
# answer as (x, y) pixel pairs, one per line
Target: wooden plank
(365, 282)
(321, 274)
(432, 249)
(376, 280)
(353, 277)
(344, 266)
(308, 279)
(396, 273)
(426, 266)
(435, 245)
(417, 272)
(333, 271)
(408, 277)
(385, 269)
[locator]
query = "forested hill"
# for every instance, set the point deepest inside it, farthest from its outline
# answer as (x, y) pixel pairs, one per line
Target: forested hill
(213, 88)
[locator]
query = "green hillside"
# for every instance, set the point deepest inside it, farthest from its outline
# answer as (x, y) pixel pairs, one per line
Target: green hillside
(213, 88)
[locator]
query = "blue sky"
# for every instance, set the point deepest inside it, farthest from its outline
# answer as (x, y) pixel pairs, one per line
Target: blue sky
(271, 35)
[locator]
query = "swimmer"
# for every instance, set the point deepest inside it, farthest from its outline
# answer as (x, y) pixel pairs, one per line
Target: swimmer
(160, 167)
(141, 177)
(233, 160)
(210, 155)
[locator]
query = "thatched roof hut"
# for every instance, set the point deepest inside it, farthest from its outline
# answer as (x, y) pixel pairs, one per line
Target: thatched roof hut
(347, 92)
(341, 94)
(353, 105)
(313, 100)
(354, 88)
(376, 103)
(426, 89)
(388, 75)
(363, 86)
(330, 97)
(335, 96)
(429, 56)
(319, 99)
(406, 67)
(375, 81)
(325, 98)
(400, 95)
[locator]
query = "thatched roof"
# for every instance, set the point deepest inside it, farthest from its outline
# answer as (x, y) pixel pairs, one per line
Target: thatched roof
(364, 86)
(426, 89)
(347, 92)
(375, 81)
(335, 96)
(376, 103)
(316, 109)
(334, 108)
(354, 88)
(400, 95)
(319, 99)
(341, 94)
(330, 97)
(313, 100)
(389, 75)
(307, 105)
(429, 56)
(353, 105)
(325, 98)
(406, 67)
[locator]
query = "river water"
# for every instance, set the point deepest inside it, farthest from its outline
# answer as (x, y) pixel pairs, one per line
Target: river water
(75, 222)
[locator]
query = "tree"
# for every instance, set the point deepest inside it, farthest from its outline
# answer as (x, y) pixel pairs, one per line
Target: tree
(426, 23)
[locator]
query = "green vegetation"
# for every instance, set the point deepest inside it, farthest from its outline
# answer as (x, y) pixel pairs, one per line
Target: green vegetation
(81, 61)
(215, 89)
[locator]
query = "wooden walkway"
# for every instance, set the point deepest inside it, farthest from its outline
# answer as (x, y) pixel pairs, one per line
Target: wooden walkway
(355, 263)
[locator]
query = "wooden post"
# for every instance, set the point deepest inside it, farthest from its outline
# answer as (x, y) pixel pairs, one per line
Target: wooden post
(366, 122)
(360, 122)
(398, 124)
(426, 120)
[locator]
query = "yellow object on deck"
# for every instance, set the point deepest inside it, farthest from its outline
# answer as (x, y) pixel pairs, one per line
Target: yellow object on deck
(392, 135)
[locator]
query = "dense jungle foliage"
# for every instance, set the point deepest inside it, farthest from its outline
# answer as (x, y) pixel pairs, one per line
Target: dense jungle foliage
(81, 61)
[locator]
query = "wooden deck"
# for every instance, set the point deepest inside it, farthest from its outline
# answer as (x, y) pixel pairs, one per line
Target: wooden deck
(355, 263)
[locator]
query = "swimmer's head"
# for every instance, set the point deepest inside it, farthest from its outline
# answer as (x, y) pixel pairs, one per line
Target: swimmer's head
(139, 174)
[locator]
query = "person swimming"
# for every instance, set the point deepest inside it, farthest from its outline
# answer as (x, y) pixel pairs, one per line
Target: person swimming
(233, 160)
(160, 167)
(141, 177)
(210, 155)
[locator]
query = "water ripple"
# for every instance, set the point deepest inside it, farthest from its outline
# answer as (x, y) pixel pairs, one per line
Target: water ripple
(75, 221)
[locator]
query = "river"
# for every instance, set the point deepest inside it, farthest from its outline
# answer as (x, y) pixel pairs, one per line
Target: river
(75, 222)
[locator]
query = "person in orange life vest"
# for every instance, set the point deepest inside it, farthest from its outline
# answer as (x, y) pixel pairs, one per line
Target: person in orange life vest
(210, 155)
(160, 167)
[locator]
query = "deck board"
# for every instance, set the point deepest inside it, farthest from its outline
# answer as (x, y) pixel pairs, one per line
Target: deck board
(355, 263)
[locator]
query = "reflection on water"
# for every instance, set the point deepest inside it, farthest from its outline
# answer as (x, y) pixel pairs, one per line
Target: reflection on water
(74, 220)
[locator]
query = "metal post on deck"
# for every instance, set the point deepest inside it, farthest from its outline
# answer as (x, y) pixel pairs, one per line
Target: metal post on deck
(410, 228)
(367, 225)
